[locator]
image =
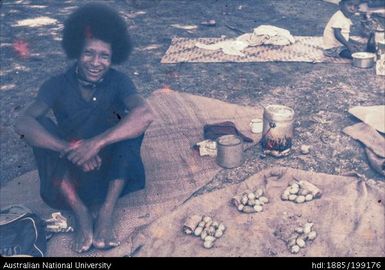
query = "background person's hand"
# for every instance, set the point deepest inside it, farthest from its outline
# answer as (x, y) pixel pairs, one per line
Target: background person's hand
(353, 48)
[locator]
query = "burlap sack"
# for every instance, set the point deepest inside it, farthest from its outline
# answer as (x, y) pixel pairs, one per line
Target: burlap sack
(348, 218)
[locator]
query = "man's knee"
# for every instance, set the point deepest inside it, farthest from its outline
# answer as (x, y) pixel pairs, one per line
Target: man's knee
(137, 141)
(131, 146)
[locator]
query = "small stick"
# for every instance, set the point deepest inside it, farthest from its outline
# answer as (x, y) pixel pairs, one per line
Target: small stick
(234, 28)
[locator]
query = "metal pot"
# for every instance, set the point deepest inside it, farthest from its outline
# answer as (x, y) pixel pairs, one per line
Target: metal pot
(363, 59)
(229, 151)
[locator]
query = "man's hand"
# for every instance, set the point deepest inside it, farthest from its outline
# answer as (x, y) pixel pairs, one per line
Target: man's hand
(82, 151)
(353, 48)
(93, 164)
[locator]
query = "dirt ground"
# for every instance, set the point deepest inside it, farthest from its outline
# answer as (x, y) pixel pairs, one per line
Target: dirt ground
(320, 94)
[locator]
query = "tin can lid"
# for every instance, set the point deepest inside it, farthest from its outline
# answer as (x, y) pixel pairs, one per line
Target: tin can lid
(229, 140)
(279, 112)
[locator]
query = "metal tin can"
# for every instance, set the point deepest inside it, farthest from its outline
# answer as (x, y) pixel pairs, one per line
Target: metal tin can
(379, 36)
(256, 125)
(229, 151)
(278, 130)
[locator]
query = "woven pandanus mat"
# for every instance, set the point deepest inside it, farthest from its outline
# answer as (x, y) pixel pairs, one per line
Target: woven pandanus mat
(305, 49)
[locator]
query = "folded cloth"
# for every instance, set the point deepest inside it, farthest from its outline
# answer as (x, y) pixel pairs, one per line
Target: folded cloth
(376, 162)
(213, 131)
(269, 34)
(374, 116)
(263, 34)
(374, 142)
(207, 148)
(229, 47)
(368, 136)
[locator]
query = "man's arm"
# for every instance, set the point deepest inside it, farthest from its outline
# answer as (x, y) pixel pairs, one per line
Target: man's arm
(130, 126)
(33, 132)
(36, 135)
(340, 38)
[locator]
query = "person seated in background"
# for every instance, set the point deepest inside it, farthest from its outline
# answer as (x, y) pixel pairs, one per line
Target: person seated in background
(91, 155)
(336, 35)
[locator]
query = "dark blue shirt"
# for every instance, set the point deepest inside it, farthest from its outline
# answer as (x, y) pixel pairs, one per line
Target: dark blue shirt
(81, 119)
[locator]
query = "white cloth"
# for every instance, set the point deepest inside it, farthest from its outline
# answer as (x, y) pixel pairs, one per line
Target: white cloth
(207, 148)
(338, 20)
(264, 34)
(229, 47)
(269, 34)
(380, 66)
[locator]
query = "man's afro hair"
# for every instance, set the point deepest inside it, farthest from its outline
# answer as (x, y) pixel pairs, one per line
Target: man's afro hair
(96, 20)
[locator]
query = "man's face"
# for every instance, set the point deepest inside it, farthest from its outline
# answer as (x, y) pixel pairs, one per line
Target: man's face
(95, 59)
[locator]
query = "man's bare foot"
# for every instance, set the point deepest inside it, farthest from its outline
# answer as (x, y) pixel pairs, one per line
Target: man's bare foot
(105, 237)
(84, 235)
